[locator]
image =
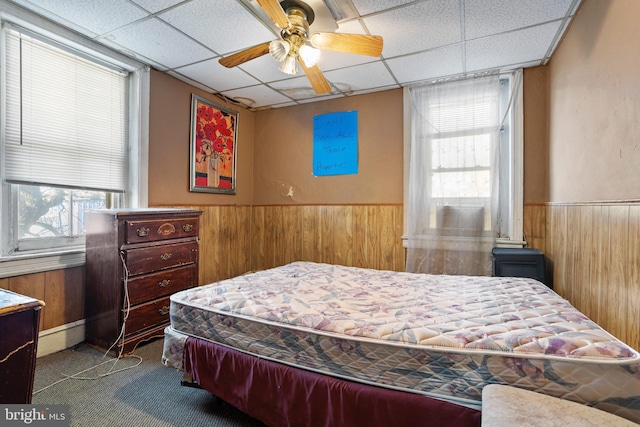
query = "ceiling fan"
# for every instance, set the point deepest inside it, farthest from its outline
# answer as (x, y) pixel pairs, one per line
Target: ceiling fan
(296, 45)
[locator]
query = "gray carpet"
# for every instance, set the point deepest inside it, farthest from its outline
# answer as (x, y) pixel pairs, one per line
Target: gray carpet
(149, 394)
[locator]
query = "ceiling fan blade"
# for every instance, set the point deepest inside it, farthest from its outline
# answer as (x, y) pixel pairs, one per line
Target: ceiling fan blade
(318, 82)
(360, 44)
(275, 12)
(245, 55)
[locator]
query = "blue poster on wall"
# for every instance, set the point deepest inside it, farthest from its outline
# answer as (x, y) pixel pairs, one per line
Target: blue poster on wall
(335, 144)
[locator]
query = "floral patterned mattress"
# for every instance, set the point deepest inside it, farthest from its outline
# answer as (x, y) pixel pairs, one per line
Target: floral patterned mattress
(441, 336)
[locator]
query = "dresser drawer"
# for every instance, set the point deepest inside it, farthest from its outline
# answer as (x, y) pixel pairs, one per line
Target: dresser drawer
(154, 230)
(146, 315)
(156, 285)
(152, 258)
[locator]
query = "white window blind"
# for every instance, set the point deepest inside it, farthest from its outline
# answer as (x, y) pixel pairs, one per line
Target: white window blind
(66, 118)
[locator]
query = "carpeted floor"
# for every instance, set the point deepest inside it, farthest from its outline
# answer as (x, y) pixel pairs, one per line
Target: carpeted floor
(145, 393)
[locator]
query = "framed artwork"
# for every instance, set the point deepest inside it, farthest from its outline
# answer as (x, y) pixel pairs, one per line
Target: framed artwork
(214, 133)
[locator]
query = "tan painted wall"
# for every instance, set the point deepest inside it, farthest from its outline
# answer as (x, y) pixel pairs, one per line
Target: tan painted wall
(169, 122)
(536, 134)
(594, 81)
(591, 228)
(284, 152)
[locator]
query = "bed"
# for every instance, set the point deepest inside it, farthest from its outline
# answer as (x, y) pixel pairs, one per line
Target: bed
(305, 342)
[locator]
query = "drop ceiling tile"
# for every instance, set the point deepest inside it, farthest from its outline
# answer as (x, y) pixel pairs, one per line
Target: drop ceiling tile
(126, 51)
(155, 6)
(360, 77)
(510, 48)
(256, 96)
(155, 39)
(331, 60)
(297, 88)
(485, 17)
(214, 75)
(354, 27)
(193, 83)
(371, 90)
(365, 7)
(93, 17)
(223, 27)
(284, 104)
(264, 69)
(315, 98)
(427, 65)
(416, 27)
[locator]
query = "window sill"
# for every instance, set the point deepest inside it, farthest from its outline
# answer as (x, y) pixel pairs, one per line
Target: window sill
(18, 265)
(458, 242)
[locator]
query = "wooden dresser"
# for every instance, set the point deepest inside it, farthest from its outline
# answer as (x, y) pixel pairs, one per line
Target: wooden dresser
(19, 323)
(135, 260)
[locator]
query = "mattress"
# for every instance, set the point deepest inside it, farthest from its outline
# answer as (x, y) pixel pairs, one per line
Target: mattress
(440, 336)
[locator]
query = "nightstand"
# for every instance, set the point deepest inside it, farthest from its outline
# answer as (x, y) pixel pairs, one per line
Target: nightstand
(520, 262)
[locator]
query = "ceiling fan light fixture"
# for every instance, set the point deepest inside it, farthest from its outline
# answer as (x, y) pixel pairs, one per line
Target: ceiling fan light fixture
(279, 49)
(309, 55)
(288, 66)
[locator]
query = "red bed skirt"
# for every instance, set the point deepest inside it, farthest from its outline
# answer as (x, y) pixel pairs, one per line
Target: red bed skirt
(280, 395)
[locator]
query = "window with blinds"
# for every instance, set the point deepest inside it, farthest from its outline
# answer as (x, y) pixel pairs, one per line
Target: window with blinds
(66, 119)
(65, 141)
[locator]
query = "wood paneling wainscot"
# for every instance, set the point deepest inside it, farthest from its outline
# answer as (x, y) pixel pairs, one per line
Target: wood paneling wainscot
(354, 235)
(61, 290)
(225, 243)
(237, 239)
(594, 252)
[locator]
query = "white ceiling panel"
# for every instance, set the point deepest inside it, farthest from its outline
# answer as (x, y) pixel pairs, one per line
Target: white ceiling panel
(424, 40)
(225, 28)
(419, 26)
(487, 17)
(90, 16)
(510, 48)
(217, 77)
(264, 69)
(366, 7)
(156, 39)
(373, 90)
(186, 79)
(256, 96)
(297, 88)
(446, 61)
(155, 6)
(374, 74)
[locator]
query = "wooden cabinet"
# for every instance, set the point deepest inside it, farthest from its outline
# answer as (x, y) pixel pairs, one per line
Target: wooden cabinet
(19, 323)
(135, 260)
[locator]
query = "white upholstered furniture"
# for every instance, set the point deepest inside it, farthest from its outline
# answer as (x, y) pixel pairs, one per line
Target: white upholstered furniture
(506, 406)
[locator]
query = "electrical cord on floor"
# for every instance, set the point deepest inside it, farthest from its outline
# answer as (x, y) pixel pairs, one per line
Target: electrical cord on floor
(120, 338)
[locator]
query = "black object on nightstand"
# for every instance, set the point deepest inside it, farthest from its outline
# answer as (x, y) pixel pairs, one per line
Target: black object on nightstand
(520, 262)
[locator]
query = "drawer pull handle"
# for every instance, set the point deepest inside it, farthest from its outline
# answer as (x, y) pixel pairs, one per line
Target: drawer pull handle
(142, 232)
(165, 257)
(164, 310)
(164, 283)
(187, 227)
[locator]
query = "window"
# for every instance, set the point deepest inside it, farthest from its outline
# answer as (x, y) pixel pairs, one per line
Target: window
(73, 134)
(59, 138)
(461, 141)
(463, 169)
(464, 161)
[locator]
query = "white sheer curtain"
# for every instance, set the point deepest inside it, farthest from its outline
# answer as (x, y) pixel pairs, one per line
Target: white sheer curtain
(454, 176)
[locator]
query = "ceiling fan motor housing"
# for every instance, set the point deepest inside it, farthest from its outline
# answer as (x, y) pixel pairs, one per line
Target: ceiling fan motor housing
(297, 33)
